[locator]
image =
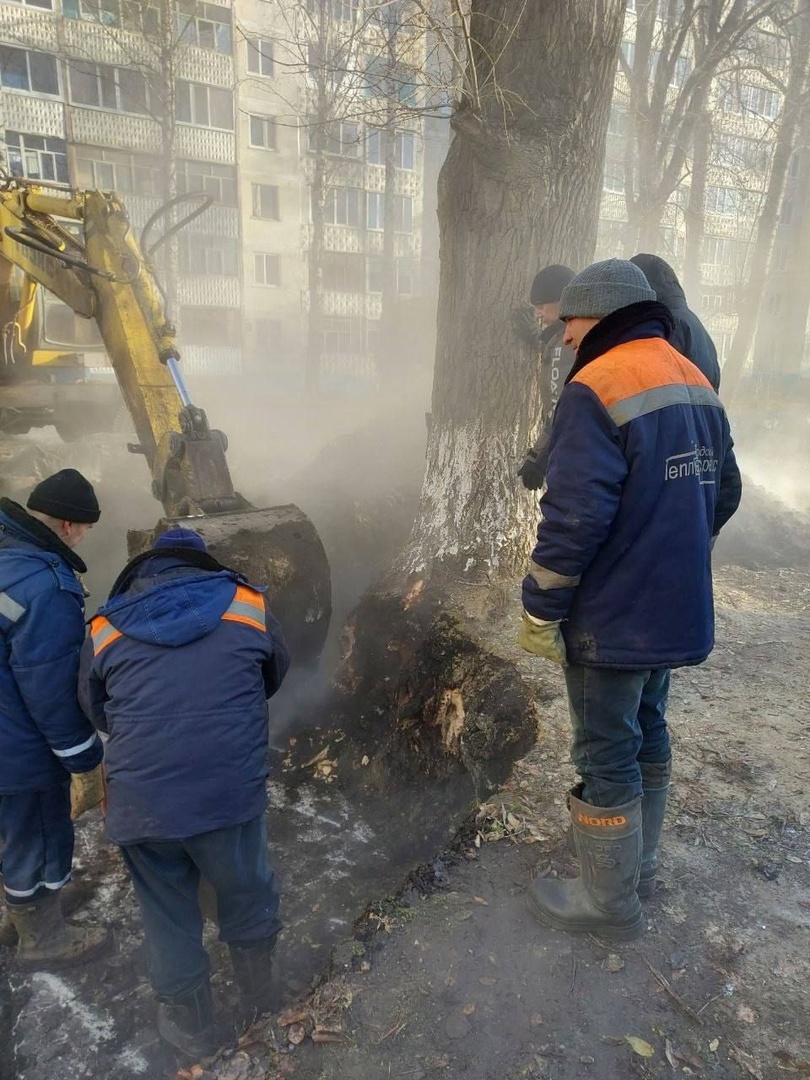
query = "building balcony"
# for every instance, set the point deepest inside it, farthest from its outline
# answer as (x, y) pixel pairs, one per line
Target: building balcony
(211, 360)
(209, 290)
(40, 116)
(28, 28)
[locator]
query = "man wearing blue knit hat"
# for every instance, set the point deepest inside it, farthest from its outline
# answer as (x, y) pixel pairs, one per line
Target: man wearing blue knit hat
(641, 478)
(177, 671)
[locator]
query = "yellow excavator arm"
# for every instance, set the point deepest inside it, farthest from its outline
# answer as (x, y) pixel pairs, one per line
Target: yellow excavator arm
(103, 275)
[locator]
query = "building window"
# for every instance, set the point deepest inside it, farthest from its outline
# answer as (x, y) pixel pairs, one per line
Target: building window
(374, 147)
(260, 57)
(374, 274)
(46, 5)
(206, 106)
(117, 170)
(263, 132)
(218, 181)
(739, 152)
(406, 277)
(406, 150)
(375, 210)
(614, 177)
(403, 213)
(337, 9)
(343, 335)
(343, 207)
(211, 326)
(206, 25)
(723, 200)
(759, 101)
(212, 256)
(267, 269)
(343, 140)
(22, 69)
(344, 272)
(266, 202)
(119, 89)
(142, 17)
(718, 250)
(628, 52)
(619, 121)
(37, 157)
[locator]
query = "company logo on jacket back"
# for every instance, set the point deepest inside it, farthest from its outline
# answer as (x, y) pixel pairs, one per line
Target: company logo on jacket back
(700, 462)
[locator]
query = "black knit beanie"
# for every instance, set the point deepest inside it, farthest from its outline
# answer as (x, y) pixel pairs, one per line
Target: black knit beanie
(548, 285)
(66, 496)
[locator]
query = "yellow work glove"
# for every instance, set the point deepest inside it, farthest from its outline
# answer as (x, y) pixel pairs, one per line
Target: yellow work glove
(86, 791)
(542, 638)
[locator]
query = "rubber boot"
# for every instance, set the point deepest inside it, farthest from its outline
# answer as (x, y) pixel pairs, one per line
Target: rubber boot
(655, 780)
(253, 971)
(45, 939)
(186, 1022)
(72, 895)
(603, 899)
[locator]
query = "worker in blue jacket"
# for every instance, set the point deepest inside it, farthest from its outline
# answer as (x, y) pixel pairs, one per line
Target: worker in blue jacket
(49, 754)
(178, 669)
(641, 479)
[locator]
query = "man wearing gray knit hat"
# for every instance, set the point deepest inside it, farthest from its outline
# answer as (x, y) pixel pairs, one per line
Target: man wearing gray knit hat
(641, 478)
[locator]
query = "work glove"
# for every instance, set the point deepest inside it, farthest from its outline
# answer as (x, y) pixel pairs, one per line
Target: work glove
(533, 470)
(542, 638)
(526, 326)
(87, 790)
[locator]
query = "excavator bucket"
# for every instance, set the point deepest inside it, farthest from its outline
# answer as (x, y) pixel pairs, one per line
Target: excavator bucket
(277, 547)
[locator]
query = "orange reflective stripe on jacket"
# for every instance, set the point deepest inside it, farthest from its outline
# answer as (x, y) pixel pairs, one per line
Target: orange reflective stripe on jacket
(103, 633)
(247, 607)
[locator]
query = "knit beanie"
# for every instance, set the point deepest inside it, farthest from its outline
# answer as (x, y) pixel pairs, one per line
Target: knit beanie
(548, 285)
(66, 496)
(603, 288)
(180, 537)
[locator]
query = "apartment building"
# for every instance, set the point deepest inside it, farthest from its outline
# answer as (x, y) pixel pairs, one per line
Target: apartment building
(84, 102)
(103, 94)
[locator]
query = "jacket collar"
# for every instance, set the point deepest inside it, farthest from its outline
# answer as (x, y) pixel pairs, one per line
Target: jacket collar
(177, 558)
(645, 319)
(28, 528)
(549, 332)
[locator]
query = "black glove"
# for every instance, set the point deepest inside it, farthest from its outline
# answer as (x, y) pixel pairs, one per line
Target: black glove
(533, 470)
(526, 326)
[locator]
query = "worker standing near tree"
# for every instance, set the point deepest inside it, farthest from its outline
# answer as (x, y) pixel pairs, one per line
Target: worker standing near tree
(641, 478)
(178, 669)
(689, 336)
(49, 754)
(539, 326)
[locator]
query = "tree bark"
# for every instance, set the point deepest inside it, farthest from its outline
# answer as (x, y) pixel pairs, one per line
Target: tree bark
(695, 209)
(520, 189)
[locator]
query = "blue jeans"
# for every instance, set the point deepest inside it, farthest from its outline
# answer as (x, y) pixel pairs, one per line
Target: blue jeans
(36, 842)
(166, 877)
(619, 720)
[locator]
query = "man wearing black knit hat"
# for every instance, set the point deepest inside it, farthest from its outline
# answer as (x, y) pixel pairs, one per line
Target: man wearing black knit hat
(541, 328)
(50, 755)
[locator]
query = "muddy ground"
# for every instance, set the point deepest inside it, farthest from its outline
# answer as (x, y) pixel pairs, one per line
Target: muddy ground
(416, 957)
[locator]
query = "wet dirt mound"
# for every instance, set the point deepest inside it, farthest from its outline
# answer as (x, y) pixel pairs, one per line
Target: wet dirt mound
(764, 533)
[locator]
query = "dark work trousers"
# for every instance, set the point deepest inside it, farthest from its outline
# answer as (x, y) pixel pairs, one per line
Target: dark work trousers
(166, 876)
(619, 720)
(36, 842)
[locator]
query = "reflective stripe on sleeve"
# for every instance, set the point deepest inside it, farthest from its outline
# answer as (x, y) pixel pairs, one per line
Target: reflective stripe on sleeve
(548, 579)
(79, 748)
(103, 633)
(247, 607)
(10, 608)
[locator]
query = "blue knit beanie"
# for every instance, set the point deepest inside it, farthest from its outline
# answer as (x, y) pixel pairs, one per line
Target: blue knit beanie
(603, 288)
(180, 537)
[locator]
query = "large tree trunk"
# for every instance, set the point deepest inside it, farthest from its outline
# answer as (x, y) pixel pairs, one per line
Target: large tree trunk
(520, 189)
(695, 209)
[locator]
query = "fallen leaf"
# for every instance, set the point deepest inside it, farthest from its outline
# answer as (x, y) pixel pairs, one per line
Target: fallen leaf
(327, 1035)
(746, 1014)
(183, 1074)
(790, 1062)
(481, 900)
(365, 759)
(714, 1044)
(669, 1054)
(469, 1008)
(487, 982)
(639, 1046)
(197, 1071)
(536, 1020)
(613, 963)
(296, 1034)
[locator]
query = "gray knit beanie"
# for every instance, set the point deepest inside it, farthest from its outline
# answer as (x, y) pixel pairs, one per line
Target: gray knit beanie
(603, 288)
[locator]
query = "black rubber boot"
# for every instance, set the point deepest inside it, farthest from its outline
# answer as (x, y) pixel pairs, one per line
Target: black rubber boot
(186, 1022)
(253, 971)
(603, 899)
(46, 940)
(655, 780)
